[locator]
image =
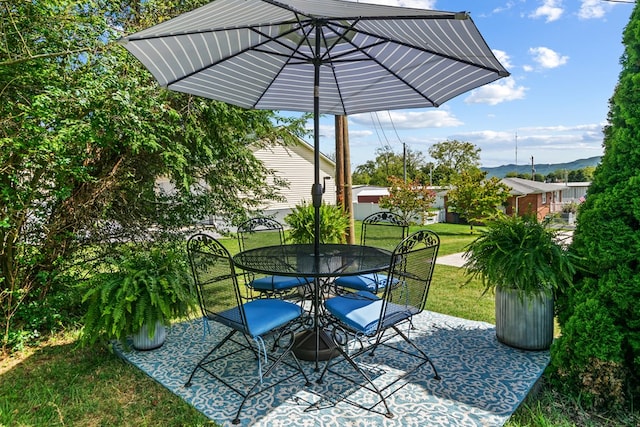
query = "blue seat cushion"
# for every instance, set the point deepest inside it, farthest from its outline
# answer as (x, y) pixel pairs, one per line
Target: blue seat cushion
(361, 311)
(373, 282)
(263, 315)
(278, 283)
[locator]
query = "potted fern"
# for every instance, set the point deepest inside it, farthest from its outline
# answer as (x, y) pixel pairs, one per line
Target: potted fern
(520, 259)
(138, 296)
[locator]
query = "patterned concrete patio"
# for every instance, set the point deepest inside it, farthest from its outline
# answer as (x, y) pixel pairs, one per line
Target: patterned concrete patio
(483, 381)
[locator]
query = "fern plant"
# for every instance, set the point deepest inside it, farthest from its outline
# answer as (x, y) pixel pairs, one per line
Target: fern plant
(520, 253)
(333, 224)
(141, 288)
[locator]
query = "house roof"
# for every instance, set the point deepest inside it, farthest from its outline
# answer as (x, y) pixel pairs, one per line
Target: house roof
(374, 192)
(310, 148)
(520, 187)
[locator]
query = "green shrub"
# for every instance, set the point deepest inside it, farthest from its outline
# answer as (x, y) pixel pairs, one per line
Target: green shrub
(333, 224)
(588, 358)
(598, 355)
(571, 207)
(36, 319)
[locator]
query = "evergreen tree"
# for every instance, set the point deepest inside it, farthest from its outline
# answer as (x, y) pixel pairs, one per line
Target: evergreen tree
(598, 354)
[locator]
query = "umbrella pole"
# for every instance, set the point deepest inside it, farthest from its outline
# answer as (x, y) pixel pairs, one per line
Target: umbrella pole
(316, 191)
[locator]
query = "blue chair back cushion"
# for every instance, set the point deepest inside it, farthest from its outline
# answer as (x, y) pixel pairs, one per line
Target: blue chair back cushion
(262, 315)
(276, 283)
(372, 282)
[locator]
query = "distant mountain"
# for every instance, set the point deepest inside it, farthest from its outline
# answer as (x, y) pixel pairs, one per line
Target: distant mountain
(542, 168)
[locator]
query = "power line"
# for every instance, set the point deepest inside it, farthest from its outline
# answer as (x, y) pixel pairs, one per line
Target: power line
(404, 149)
(393, 126)
(388, 145)
(375, 128)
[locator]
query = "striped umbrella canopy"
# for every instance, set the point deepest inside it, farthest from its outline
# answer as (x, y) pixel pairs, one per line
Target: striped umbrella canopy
(321, 56)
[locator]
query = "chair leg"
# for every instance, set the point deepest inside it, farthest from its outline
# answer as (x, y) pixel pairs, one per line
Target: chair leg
(293, 327)
(200, 362)
(287, 351)
(349, 359)
(424, 355)
(245, 396)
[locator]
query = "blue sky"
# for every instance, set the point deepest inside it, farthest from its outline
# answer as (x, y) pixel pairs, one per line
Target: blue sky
(564, 60)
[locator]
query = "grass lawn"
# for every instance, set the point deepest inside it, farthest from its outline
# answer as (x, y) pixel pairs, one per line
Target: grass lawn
(59, 384)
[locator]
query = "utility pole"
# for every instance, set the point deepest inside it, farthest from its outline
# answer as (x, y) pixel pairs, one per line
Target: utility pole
(404, 161)
(533, 170)
(431, 175)
(516, 154)
(343, 164)
(339, 161)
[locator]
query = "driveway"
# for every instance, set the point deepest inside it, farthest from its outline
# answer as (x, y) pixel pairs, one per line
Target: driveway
(455, 260)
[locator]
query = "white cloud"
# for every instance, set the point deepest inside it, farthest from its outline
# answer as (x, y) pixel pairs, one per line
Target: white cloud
(489, 136)
(593, 9)
(547, 144)
(326, 131)
(358, 134)
(594, 127)
(547, 58)
(550, 9)
(503, 57)
(495, 93)
(507, 6)
(415, 4)
(399, 119)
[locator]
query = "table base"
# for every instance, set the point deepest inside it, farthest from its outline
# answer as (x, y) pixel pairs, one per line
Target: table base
(304, 346)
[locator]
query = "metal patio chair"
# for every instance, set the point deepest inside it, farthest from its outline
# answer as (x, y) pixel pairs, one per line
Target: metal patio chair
(369, 320)
(263, 231)
(381, 229)
(250, 323)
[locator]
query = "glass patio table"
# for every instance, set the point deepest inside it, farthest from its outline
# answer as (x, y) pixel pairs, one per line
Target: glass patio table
(298, 260)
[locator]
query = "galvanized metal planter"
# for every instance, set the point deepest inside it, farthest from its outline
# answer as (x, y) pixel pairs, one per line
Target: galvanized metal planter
(141, 340)
(522, 321)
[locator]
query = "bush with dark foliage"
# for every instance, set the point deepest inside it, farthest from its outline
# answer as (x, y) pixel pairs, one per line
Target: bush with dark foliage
(598, 354)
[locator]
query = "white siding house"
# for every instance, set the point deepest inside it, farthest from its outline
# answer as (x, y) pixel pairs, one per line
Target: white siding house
(294, 164)
(575, 191)
(365, 203)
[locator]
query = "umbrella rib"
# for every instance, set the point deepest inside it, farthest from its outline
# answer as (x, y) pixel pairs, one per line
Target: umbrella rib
(256, 48)
(383, 39)
(301, 26)
(362, 50)
(134, 37)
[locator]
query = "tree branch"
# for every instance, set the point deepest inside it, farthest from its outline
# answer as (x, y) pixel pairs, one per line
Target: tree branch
(43, 55)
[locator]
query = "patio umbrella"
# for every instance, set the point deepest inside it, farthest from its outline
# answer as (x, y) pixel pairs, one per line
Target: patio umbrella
(321, 56)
